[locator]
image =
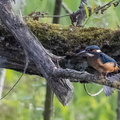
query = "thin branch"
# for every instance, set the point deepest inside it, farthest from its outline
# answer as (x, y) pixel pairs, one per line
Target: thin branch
(79, 15)
(75, 15)
(76, 76)
(66, 8)
(49, 16)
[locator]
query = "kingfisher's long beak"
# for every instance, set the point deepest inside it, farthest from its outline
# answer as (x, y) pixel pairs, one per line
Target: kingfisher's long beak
(85, 53)
(82, 52)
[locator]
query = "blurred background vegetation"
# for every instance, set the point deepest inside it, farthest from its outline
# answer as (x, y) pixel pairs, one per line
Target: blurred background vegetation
(26, 101)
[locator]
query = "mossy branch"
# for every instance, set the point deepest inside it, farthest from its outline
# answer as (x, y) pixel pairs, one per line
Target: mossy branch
(62, 39)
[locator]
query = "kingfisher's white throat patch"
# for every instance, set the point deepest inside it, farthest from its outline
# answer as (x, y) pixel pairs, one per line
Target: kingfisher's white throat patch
(89, 54)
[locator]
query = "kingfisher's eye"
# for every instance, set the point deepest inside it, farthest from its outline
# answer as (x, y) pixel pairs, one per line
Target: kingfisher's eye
(88, 50)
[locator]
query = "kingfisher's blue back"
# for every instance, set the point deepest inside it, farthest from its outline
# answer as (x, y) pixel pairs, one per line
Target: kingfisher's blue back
(105, 58)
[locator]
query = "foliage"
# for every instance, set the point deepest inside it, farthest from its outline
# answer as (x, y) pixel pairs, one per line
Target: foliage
(26, 101)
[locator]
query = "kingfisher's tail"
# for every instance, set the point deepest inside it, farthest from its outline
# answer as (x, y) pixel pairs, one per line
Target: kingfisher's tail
(107, 90)
(119, 69)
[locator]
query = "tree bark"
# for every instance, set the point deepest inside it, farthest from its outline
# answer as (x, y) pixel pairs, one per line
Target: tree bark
(63, 41)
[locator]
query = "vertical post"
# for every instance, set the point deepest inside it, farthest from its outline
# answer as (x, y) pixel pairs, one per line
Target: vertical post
(57, 9)
(48, 104)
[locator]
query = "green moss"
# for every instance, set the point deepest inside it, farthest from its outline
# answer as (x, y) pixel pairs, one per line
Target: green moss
(67, 38)
(68, 33)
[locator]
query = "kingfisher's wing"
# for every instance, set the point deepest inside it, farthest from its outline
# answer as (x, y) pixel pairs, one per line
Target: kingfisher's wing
(105, 58)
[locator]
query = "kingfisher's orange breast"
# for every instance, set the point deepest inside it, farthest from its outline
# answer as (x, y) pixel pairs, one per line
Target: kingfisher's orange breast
(102, 67)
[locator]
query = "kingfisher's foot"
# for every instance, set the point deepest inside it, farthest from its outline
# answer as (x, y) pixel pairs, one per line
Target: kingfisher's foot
(110, 74)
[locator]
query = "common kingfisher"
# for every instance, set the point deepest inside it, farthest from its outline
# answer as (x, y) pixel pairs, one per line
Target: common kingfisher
(103, 63)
